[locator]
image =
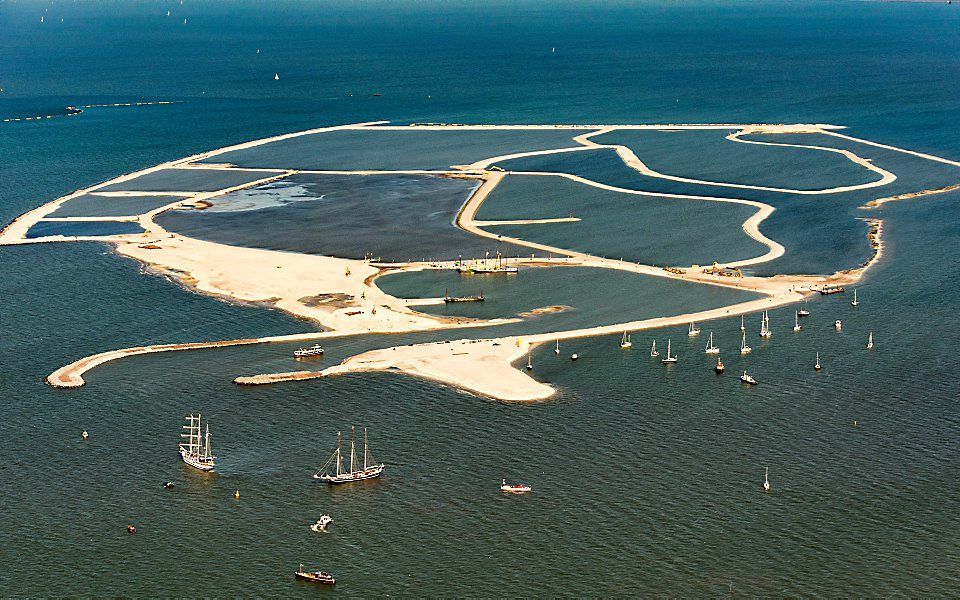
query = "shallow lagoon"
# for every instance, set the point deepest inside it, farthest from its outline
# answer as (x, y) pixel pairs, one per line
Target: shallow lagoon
(82, 228)
(392, 217)
(372, 148)
(91, 205)
(708, 155)
(187, 180)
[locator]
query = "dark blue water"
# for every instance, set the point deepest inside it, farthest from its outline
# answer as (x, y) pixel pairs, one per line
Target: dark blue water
(646, 481)
(97, 228)
(90, 205)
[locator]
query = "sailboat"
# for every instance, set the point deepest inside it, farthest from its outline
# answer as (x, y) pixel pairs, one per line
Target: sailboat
(838, 324)
(529, 364)
(669, 359)
(744, 348)
(817, 366)
(196, 451)
(711, 349)
(766, 479)
(693, 329)
(276, 76)
(796, 322)
(870, 341)
(625, 341)
(855, 301)
(557, 349)
(653, 349)
(803, 312)
(742, 327)
(332, 471)
(765, 326)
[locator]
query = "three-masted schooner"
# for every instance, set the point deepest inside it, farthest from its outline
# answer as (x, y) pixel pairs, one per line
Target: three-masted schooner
(332, 471)
(196, 451)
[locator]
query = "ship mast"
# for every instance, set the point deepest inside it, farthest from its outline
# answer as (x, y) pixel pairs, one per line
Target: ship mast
(206, 445)
(353, 447)
(365, 442)
(339, 457)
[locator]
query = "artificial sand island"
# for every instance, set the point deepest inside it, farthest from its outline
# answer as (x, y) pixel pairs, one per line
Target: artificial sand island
(340, 295)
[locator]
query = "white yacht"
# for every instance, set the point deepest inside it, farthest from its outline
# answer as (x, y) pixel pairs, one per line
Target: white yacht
(765, 326)
(514, 488)
(870, 341)
(748, 379)
(693, 330)
(321, 524)
(196, 450)
(838, 324)
(314, 350)
(653, 349)
(766, 479)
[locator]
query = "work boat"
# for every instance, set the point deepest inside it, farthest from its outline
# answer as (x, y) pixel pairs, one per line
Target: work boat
(796, 322)
(196, 451)
(514, 488)
(693, 330)
(314, 350)
(315, 576)
(332, 472)
(711, 349)
(748, 379)
(669, 359)
(625, 341)
(744, 348)
(653, 349)
(719, 368)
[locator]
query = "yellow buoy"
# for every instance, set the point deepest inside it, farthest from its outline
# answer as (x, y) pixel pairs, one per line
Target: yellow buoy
(236, 494)
(854, 422)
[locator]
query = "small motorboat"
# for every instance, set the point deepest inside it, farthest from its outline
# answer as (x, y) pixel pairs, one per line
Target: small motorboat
(315, 576)
(719, 368)
(321, 525)
(748, 379)
(131, 529)
(574, 356)
(514, 488)
(168, 484)
(84, 434)
(314, 350)
(838, 324)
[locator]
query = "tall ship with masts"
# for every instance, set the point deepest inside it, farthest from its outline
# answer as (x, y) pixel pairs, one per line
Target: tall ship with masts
(333, 472)
(195, 446)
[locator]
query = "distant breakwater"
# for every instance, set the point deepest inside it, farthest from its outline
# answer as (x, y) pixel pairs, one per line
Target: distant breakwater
(69, 111)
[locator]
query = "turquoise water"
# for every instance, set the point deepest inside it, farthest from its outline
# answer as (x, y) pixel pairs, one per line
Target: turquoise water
(674, 459)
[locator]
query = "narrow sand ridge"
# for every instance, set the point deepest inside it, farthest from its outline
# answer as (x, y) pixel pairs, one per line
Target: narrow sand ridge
(339, 293)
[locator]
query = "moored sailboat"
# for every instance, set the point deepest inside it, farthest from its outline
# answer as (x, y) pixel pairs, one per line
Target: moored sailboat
(817, 365)
(653, 349)
(625, 341)
(711, 349)
(870, 341)
(765, 326)
(196, 451)
(332, 471)
(803, 312)
(855, 301)
(693, 330)
(669, 359)
(796, 322)
(744, 348)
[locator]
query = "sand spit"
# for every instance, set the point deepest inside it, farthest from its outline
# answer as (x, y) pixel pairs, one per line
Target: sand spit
(340, 294)
(881, 201)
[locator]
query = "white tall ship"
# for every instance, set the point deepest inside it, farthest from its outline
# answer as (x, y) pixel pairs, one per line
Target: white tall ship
(196, 450)
(333, 472)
